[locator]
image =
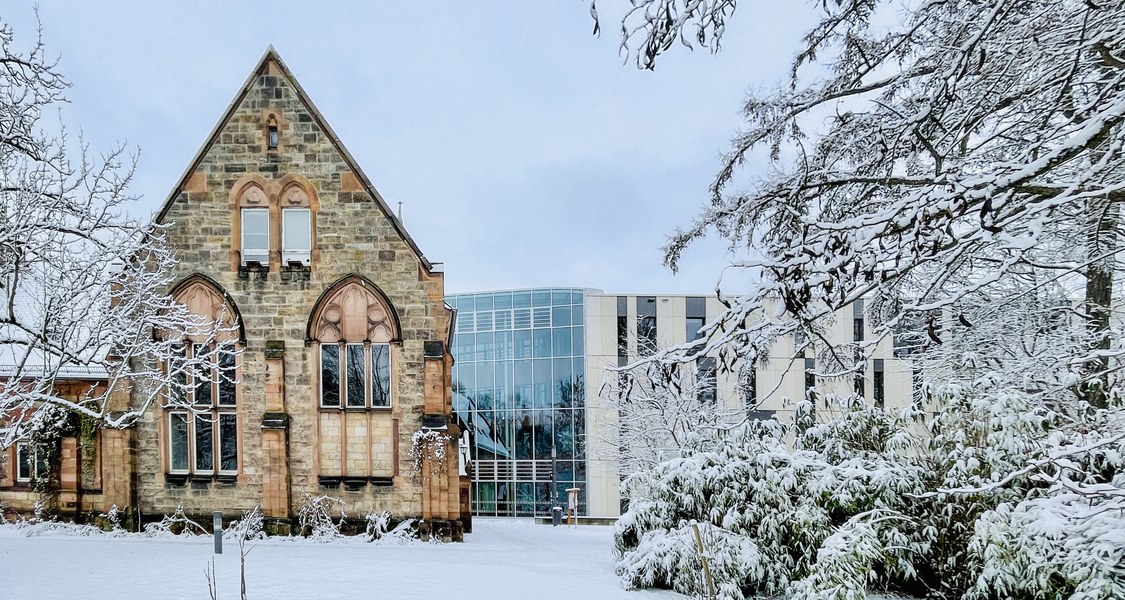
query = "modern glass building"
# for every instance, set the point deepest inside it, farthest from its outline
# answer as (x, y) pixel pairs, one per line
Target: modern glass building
(518, 380)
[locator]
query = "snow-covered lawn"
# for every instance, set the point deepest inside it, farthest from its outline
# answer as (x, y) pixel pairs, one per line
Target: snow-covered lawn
(501, 559)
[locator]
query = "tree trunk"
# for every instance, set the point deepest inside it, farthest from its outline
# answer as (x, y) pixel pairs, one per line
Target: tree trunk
(1101, 243)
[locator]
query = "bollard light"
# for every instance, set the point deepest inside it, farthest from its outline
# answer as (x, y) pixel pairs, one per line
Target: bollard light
(217, 518)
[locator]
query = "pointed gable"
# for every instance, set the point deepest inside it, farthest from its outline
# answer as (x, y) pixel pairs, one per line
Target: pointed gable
(271, 80)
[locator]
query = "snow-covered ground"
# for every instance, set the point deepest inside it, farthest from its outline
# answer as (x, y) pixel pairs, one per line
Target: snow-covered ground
(501, 559)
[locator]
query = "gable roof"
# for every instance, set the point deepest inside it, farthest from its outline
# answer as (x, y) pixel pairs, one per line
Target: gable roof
(272, 55)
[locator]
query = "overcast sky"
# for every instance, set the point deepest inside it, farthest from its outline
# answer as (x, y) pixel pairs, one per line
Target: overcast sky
(524, 152)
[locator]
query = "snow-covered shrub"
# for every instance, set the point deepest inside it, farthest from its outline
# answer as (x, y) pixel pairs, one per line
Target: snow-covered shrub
(249, 527)
(1010, 496)
(1066, 544)
(314, 517)
(113, 518)
(379, 528)
(175, 524)
(766, 508)
(377, 524)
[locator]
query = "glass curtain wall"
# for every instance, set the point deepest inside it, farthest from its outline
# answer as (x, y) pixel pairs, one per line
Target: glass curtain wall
(518, 380)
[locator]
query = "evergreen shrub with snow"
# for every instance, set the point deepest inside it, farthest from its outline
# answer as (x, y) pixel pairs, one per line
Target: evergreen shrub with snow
(1002, 498)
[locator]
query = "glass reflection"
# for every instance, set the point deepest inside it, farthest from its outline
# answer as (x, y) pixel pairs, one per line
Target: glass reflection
(518, 382)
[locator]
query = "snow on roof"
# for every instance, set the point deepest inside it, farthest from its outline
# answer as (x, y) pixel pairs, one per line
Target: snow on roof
(25, 358)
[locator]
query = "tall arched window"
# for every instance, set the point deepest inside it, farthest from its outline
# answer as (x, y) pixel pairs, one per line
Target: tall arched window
(353, 327)
(201, 430)
(354, 334)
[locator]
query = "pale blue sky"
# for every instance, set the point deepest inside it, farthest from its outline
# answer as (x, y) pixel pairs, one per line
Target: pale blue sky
(524, 152)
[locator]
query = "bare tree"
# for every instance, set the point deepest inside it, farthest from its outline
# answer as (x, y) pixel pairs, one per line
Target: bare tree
(83, 288)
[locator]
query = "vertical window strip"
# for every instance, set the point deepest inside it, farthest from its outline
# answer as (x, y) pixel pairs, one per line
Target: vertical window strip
(380, 375)
(228, 443)
(329, 375)
(204, 444)
(227, 376)
(202, 386)
(355, 377)
(752, 388)
(810, 375)
(879, 383)
(178, 445)
(178, 389)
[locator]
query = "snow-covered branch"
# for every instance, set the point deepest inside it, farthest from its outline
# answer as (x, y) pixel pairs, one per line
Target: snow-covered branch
(85, 315)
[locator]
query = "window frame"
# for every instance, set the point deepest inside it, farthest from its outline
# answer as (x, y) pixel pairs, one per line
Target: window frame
(21, 463)
(189, 446)
(212, 412)
(343, 397)
(264, 252)
(304, 255)
(37, 461)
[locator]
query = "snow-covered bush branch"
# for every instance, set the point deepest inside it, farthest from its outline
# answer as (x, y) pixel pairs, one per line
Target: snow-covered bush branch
(658, 406)
(428, 447)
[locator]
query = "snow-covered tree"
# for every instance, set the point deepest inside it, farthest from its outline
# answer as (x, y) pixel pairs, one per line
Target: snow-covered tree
(959, 166)
(921, 154)
(657, 408)
(83, 288)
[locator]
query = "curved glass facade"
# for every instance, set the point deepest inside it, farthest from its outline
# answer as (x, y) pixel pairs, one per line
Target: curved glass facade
(519, 381)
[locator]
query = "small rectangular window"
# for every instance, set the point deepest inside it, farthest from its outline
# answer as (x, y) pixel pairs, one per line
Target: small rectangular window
(178, 442)
(23, 462)
(810, 375)
(878, 382)
(296, 236)
(356, 376)
(705, 380)
(228, 442)
(694, 324)
(256, 235)
(330, 375)
(272, 138)
(380, 375)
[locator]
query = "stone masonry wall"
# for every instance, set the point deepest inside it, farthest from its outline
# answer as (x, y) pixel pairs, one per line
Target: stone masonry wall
(352, 236)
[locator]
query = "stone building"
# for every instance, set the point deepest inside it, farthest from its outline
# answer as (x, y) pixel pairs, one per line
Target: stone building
(338, 352)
